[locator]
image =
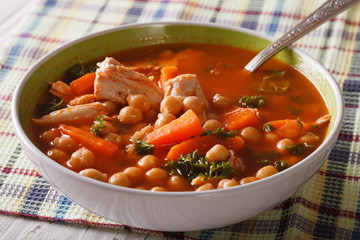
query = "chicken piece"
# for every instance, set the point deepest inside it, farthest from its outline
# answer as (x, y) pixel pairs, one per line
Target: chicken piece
(62, 90)
(78, 113)
(323, 121)
(115, 82)
(185, 85)
(87, 98)
(141, 134)
(236, 162)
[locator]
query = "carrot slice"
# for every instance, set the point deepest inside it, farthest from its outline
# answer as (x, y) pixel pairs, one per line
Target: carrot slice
(90, 141)
(84, 84)
(203, 144)
(240, 118)
(186, 126)
(167, 73)
(289, 128)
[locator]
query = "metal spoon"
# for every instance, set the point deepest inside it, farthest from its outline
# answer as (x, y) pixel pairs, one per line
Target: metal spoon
(325, 12)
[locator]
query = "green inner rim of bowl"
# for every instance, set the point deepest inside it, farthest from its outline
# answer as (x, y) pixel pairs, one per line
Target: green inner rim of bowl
(105, 44)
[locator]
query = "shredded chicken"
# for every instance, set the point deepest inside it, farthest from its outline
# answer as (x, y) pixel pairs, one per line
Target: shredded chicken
(74, 114)
(236, 162)
(185, 85)
(87, 98)
(115, 82)
(61, 90)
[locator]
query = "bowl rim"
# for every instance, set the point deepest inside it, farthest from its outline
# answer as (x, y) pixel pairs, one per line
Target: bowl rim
(253, 185)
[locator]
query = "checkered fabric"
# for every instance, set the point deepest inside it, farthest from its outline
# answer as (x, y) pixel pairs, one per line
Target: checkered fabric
(327, 207)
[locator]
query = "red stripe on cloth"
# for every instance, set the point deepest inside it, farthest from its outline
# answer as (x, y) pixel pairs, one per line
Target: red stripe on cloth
(6, 97)
(337, 175)
(319, 208)
(19, 171)
(7, 134)
(41, 38)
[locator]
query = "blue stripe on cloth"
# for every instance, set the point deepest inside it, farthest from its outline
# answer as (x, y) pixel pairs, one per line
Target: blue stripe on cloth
(18, 46)
(134, 12)
(251, 20)
(64, 204)
(276, 17)
(35, 197)
(159, 14)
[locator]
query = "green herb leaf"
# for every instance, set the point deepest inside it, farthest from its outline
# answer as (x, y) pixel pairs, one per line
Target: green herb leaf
(143, 148)
(53, 105)
(273, 82)
(79, 70)
(98, 125)
(298, 121)
(268, 127)
(281, 165)
(192, 165)
(295, 99)
(252, 101)
(300, 148)
(221, 133)
(293, 111)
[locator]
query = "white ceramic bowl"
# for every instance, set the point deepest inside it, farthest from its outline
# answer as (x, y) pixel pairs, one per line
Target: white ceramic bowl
(170, 211)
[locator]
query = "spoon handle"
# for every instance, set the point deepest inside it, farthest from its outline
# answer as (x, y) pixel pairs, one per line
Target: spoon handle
(325, 12)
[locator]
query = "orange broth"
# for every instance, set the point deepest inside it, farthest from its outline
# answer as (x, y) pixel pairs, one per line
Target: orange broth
(220, 70)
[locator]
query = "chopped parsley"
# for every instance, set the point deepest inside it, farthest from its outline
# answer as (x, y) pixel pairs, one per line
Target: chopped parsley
(53, 105)
(252, 101)
(300, 124)
(281, 165)
(98, 125)
(295, 99)
(79, 70)
(293, 111)
(273, 82)
(143, 148)
(300, 148)
(192, 165)
(268, 127)
(221, 133)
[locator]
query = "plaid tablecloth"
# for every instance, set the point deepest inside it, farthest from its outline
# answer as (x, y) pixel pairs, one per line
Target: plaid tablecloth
(327, 207)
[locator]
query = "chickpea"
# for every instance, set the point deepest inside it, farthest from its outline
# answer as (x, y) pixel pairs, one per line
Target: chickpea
(139, 101)
(205, 187)
(221, 102)
(109, 128)
(309, 138)
(226, 183)
(67, 144)
(149, 161)
(163, 119)
(130, 115)
(248, 180)
(271, 137)
(171, 104)
(134, 173)
(218, 153)
(212, 124)
(57, 155)
(283, 143)
(50, 135)
(194, 103)
(82, 158)
(177, 183)
(111, 106)
(156, 176)
(94, 174)
(114, 138)
(120, 179)
(266, 171)
(251, 134)
(158, 189)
